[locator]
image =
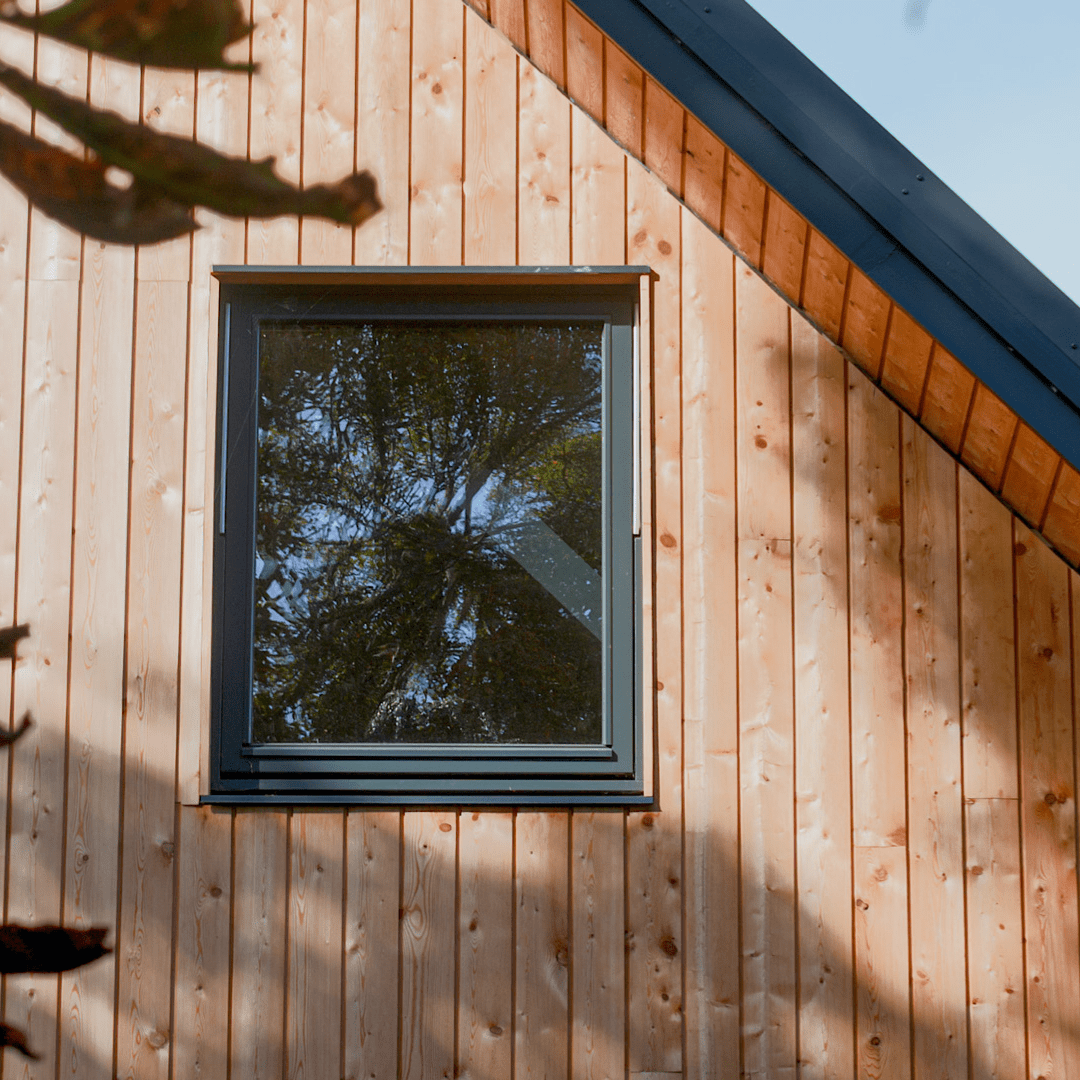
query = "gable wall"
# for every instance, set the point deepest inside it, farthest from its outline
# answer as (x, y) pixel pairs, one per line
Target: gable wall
(864, 666)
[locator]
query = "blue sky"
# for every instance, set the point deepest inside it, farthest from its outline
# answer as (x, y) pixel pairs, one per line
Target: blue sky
(985, 92)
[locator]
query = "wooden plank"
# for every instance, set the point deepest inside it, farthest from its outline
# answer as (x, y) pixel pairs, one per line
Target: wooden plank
(144, 933)
(766, 693)
(373, 892)
(710, 725)
(743, 222)
(382, 127)
(427, 945)
(490, 146)
(598, 992)
(824, 284)
(906, 359)
(784, 246)
(259, 919)
(543, 236)
(598, 194)
(987, 644)
(313, 993)
(1047, 805)
(1029, 475)
(877, 675)
(883, 1035)
(665, 121)
(509, 17)
(934, 768)
(822, 707)
(277, 46)
(762, 372)
(485, 932)
(624, 98)
(990, 428)
(43, 594)
(96, 690)
(201, 1019)
(703, 183)
(438, 50)
(330, 98)
(866, 317)
(995, 935)
(654, 839)
(1062, 524)
(949, 387)
(168, 105)
(221, 121)
(547, 42)
(542, 945)
(481, 7)
(584, 63)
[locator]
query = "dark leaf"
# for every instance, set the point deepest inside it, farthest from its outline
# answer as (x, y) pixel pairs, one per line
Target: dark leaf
(13, 1037)
(9, 737)
(192, 174)
(76, 193)
(161, 33)
(10, 636)
(49, 948)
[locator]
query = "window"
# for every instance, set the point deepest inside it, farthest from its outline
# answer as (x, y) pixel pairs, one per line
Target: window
(426, 574)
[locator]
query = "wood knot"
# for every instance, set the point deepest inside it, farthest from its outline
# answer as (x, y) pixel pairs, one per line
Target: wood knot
(659, 685)
(761, 442)
(667, 540)
(168, 849)
(437, 88)
(1047, 653)
(215, 891)
(562, 953)
(1050, 798)
(875, 1041)
(889, 513)
(445, 826)
(1019, 548)
(157, 1039)
(646, 821)
(668, 946)
(976, 871)
(473, 924)
(862, 905)
(495, 1030)
(640, 237)
(664, 247)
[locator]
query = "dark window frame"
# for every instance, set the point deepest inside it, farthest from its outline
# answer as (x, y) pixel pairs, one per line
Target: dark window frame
(411, 774)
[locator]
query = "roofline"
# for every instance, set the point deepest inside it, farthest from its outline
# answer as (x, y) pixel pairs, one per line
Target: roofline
(898, 222)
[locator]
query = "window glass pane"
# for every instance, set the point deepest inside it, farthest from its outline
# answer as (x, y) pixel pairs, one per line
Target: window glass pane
(429, 533)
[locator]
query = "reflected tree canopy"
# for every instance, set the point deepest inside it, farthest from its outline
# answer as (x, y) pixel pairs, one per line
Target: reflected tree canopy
(429, 533)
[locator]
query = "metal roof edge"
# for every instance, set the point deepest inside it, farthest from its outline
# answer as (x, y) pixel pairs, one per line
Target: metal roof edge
(915, 238)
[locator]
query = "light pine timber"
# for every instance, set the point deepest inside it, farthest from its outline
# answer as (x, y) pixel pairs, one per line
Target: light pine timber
(879, 815)
(490, 145)
(766, 763)
(883, 1034)
(36, 818)
(18, 50)
(168, 105)
(542, 945)
(598, 1033)
(275, 119)
(382, 127)
(201, 1016)
(485, 934)
(654, 839)
(822, 707)
(438, 50)
(144, 931)
(329, 121)
(543, 176)
(313, 992)
(220, 121)
(260, 873)
(710, 725)
(995, 935)
(935, 813)
(373, 891)
(96, 693)
(427, 945)
(987, 643)
(1048, 804)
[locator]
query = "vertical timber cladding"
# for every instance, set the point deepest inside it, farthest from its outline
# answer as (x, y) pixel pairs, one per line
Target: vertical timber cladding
(865, 722)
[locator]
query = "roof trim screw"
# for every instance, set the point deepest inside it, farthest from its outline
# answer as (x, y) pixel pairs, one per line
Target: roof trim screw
(919, 176)
(903, 191)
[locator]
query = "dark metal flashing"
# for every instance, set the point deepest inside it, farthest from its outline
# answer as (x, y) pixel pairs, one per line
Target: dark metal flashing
(901, 225)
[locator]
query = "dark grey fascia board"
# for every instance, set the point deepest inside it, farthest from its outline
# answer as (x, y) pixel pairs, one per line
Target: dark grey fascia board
(470, 275)
(846, 174)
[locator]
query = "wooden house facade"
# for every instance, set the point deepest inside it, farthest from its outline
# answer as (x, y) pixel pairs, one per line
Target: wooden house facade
(861, 855)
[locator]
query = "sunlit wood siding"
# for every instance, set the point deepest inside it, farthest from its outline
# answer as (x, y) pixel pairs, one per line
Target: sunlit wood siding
(862, 861)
